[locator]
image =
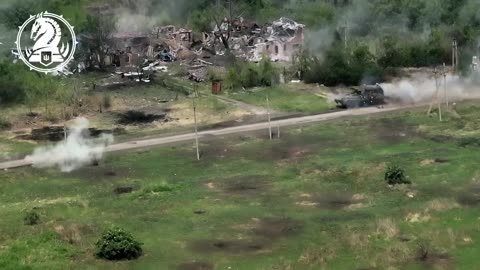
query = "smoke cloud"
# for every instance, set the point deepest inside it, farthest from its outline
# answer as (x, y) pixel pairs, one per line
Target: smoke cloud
(75, 152)
(421, 88)
(143, 15)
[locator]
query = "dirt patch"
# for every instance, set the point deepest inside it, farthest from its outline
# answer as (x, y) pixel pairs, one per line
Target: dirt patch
(230, 246)
(289, 147)
(470, 196)
(392, 130)
(195, 266)
(437, 261)
(275, 228)
(245, 185)
(217, 150)
(427, 162)
(72, 234)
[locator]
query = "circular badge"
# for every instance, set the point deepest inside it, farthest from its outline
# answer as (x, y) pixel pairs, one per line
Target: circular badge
(50, 45)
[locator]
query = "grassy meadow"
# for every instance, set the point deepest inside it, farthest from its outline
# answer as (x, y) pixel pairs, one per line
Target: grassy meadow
(314, 199)
(286, 99)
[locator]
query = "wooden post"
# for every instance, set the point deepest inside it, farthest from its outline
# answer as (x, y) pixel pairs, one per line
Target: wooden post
(196, 128)
(269, 119)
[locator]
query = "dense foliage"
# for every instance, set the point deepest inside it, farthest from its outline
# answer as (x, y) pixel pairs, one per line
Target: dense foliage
(31, 218)
(247, 75)
(118, 244)
(396, 176)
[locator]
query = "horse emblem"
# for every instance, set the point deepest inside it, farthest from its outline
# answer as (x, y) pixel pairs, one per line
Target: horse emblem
(51, 51)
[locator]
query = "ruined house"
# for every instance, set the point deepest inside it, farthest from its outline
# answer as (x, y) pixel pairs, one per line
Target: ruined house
(280, 42)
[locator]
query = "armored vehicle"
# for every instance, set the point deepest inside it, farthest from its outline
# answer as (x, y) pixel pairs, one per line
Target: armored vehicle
(365, 96)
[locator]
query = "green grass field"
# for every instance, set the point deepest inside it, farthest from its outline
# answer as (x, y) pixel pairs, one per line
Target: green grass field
(315, 199)
(285, 100)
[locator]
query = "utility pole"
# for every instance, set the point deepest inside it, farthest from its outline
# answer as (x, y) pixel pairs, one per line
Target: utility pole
(445, 86)
(454, 55)
(269, 119)
(435, 97)
(345, 33)
(195, 120)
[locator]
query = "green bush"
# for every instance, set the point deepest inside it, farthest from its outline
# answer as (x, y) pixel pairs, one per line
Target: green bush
(31, 218)
(248, 75)
(396, 176)
(118, 244)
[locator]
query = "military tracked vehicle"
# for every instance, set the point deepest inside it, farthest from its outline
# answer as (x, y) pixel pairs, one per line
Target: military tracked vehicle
(365, 96)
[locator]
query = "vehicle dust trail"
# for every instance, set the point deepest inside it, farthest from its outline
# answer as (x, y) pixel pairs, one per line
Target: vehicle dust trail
(421, 87)
(75, 152)
(305, 120)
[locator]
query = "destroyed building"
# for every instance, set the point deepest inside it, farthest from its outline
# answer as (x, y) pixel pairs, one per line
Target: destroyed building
(138, 52)
(281, 41)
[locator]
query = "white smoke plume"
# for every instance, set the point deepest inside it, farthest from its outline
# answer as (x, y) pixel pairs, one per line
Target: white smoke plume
(73, 153)
(421, 88)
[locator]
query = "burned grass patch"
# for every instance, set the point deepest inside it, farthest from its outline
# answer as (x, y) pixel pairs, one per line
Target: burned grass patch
(100, 173)
(230, 246)
(140, 117)
(276, 228)
(57, 133)
(338, 201)
(123, 190)
(195, 266)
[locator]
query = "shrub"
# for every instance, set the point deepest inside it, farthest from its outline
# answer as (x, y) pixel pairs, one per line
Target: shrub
(118, 244)
(31, 218)
(396, 176)
(248, 75)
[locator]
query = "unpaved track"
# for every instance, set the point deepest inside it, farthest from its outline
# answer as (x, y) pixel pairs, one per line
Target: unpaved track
(132, 145)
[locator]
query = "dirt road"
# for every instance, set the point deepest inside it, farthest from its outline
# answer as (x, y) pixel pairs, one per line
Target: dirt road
(231, 130)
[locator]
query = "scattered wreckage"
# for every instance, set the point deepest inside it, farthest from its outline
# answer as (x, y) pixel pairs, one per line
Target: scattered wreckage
(365, 96)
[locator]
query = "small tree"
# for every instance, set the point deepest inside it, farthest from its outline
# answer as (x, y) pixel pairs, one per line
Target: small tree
(31, 218)
(118, 244)
(396, 176)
